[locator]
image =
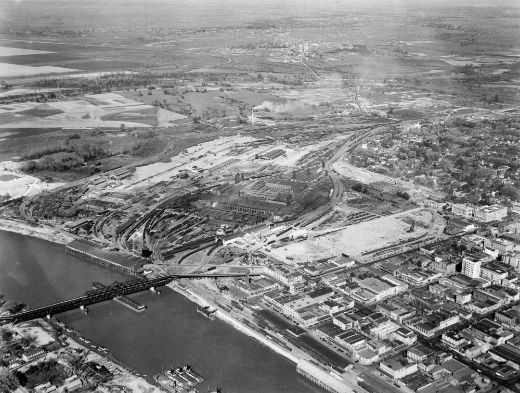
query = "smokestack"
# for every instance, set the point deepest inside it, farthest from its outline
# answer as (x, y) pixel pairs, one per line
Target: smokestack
(252, 115)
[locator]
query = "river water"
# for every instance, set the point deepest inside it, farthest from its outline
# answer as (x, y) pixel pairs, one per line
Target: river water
(169, 333)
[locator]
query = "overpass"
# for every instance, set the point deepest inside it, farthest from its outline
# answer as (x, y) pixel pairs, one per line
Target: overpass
(102, 294)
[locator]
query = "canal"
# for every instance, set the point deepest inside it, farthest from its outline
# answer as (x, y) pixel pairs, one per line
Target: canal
(169, 333)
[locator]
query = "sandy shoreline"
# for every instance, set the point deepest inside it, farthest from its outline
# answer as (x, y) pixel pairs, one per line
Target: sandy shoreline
(41, 232)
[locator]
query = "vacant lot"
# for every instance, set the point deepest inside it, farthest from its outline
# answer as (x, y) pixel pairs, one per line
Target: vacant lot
(353, 240)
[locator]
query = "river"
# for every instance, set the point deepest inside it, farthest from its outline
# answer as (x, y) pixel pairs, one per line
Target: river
(169, 333)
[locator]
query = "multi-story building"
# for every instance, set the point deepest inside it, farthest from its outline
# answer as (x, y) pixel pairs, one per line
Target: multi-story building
(443, 266)
(383, 330)
(493, 272)
(488, 332)
(418, 353)
(502, 246)
(398, 367)
(455, 340)
(290, 304)
(283, 274)
(395, 311)
(417, 277)
(343, 321)
(374, 290)
(471, 267)
(352, 340)
(490, 213)
(461, 209)
(310, 315)
(512, 259)
(404, 335)
(431, 324)
(482, 214)
(258, 286)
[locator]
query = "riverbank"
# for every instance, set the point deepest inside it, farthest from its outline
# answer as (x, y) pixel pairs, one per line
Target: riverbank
(169, 333)
(225, 317)
(38, 230)
(41, 331)
(56, 236)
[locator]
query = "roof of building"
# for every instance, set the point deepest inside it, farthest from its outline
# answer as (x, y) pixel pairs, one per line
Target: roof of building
(375, 285)
(397, 363)
(453, 366)
(507, 352)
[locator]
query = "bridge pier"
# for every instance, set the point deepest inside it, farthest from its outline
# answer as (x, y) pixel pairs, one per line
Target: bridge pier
(102, 294)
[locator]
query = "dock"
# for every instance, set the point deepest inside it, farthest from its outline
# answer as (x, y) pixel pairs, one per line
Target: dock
(179, 380)
(130, 303)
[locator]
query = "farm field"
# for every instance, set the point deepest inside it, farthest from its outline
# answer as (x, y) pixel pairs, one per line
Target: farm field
(95, 110)
(11, 70)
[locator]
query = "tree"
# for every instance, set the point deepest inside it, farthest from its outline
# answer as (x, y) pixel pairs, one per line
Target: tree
(403, 194)
(8, 382)
(28, 340)
(350, 83)
(6, 335)
(459, 163)
(357, 187)
(510, 191)
(16, 307)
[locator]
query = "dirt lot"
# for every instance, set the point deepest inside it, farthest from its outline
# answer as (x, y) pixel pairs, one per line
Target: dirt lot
(353, 240)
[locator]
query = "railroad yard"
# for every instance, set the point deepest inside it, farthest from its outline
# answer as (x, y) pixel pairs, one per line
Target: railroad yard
(347, 195)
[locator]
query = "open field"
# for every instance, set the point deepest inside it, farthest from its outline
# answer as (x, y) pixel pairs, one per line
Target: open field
(11, 70)
(96, 110)
(10, 51)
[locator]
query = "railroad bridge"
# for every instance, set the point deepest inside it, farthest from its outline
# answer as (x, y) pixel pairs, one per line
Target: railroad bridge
(102, 294)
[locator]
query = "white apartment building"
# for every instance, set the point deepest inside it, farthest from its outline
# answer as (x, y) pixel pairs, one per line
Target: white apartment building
(471, 267)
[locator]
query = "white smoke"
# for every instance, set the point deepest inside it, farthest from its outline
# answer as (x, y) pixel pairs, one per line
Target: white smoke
(290, 106)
